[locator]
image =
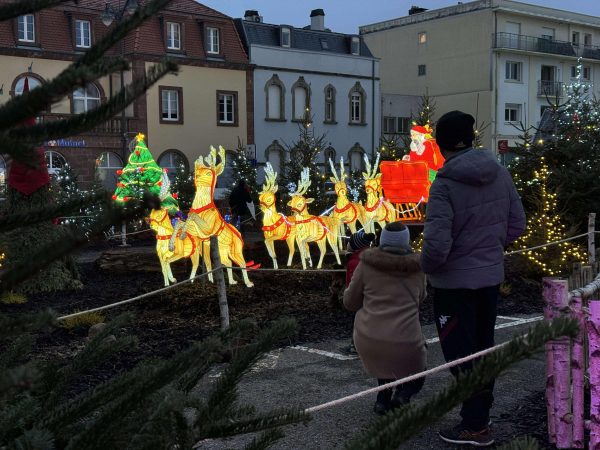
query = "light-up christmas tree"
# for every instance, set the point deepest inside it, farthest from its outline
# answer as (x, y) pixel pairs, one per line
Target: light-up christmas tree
(545, 225)
(244, 169)
(183, 188)
(141, 174)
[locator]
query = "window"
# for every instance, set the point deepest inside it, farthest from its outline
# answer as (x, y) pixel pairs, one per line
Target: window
(575, 38)
(55, 161)
(329, 104)
(512, 112)
(83, 34)
(403, 125)
(274, 155)
(33, 83)
(422, 69)
(86, 99)
(355, 155)
(355, 45)
(26, 28)
(107, 165)
(357, 97)
(171, 107)
(226, 108)
(586, 72)
(587, 39)
(329, 154)
(212, 41)
(548, 33)
(389, 125)
(324, 44)
(422, 37)
(286, 37)
(300, 99)
(513, 71)
(275, 90)
(173, 36)
(174, 161)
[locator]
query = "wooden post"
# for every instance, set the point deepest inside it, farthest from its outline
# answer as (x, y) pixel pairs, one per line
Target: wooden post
(557, 291)
(219, 281)
(578, 370)
(593, 329)
(592, 238)
(124, 235)
(548, 316)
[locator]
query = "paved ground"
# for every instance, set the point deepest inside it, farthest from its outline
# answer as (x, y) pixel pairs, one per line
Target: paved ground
(317, 373)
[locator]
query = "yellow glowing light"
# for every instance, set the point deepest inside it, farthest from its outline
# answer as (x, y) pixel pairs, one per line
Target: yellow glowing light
(140, 137)
(377, 209)
(311, 228)
(349, 213)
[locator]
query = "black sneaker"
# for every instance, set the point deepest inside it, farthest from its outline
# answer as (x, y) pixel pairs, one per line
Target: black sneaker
(349, 350)
(463, 436)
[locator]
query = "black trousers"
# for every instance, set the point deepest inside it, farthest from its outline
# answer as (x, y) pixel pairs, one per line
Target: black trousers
(404, 391)
(465, 320)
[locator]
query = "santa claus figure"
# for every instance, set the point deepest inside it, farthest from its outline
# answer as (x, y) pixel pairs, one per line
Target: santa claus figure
(424, 148)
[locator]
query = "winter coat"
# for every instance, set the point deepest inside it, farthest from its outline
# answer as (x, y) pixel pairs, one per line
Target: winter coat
(474, 212)
(353, 258)
(238, 200)
(386, 291)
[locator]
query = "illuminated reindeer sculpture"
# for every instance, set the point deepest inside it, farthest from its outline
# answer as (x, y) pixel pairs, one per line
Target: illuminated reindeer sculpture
(377, 209)
(190, 247)
(311, 228)
(276, 226)
(205, 220)
(346, 211)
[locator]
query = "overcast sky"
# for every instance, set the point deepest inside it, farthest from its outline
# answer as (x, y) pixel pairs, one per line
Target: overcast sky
(345, 16)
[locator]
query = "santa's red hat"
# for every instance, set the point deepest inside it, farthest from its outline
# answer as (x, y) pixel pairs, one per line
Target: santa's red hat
(423, 129)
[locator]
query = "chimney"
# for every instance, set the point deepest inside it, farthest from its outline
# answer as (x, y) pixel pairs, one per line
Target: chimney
(416, 10)
(317, 20)
(251, 15)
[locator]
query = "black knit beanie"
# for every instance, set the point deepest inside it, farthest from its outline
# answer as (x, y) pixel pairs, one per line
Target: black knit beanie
(360, 240)
(454, 131)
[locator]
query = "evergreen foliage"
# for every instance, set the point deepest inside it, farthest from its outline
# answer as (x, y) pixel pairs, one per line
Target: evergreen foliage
(306, 151)
(150, 406)
(183, 188)
(569, 140)
(244, 169)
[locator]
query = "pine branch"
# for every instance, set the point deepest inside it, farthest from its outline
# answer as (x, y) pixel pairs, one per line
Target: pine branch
(37, 215)
(17, 349)
(265, 440)
(398, 426)
(262, 422)
(13, 10)
(15, 326)
(63, 246)
(81, 122)
(224, 393)
(526, 443)
(31, 103)
(15, 416)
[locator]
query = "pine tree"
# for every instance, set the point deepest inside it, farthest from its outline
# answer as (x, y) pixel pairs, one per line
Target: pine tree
(244, 169)
(183, 188)
(546, 225)
(140, 175)
(305, 152)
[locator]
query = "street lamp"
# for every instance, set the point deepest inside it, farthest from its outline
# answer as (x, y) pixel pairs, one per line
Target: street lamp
(108, 16)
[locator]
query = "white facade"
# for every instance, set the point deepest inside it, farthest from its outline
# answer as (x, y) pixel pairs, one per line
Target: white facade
(292, 72)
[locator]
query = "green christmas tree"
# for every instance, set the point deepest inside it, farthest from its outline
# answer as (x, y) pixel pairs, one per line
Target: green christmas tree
(183, 188)
(141, 174)
(244, 169)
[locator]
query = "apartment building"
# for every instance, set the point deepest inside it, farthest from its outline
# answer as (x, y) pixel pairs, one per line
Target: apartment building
(205, 104)
(332, 76)
(499, 60)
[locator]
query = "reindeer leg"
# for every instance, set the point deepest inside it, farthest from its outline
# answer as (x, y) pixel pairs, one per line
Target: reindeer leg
(195, 258)
(270, 244)
(302, 248)
(322, 248)
(206, 257)
(332, 239)
(165, 271)
(290, 243)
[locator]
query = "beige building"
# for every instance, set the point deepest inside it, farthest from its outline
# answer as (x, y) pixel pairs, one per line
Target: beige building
(182, 115)
(499, 60)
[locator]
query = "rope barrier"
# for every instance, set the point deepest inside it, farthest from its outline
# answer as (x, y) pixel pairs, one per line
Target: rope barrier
(119, 236)
(404, 380)
(286, 270)
(586, 291)
(546, 245)
(139, 297)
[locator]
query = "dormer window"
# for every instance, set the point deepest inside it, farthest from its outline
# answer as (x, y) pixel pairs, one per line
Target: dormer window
(26, 28)
(213, 44)
(83, 34)
(286, 37)
(173, 36)
(355, 45)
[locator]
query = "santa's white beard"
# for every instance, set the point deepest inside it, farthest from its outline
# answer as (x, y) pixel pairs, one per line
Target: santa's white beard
(417, 147)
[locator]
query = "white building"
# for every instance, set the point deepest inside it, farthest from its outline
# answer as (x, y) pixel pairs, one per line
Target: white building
(332, 74)
(499, 60)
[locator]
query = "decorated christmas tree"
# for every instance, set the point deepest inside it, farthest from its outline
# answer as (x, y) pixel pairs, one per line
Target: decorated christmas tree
(141, 174)
(545, 225)
(244, 169)
(183, 188)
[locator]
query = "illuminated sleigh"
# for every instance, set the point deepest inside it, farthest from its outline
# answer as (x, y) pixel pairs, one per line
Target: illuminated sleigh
(406, 184)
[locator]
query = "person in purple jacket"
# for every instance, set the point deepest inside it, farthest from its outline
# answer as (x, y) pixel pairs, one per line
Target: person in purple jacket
(474, 212)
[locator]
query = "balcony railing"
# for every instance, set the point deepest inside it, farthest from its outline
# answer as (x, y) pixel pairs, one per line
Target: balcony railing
(532, 44)
(550, 88)
(112, 126)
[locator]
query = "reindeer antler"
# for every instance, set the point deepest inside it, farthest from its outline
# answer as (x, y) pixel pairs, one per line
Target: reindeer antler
(271, 179)
(367, 165)
(335, 176)
(303, 183)
(343, 175)
(165, 187)
(376, 167)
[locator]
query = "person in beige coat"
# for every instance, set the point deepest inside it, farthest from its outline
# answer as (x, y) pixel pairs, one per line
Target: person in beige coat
(386, 291)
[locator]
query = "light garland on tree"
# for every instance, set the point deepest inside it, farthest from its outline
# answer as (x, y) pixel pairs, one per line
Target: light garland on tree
(544, 227)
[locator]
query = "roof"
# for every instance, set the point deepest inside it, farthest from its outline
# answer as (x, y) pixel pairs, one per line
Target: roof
(316, 41)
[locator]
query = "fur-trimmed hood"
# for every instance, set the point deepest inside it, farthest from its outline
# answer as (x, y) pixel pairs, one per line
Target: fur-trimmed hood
(392, 262)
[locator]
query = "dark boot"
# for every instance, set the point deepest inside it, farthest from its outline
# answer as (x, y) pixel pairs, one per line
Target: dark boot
(384, 399)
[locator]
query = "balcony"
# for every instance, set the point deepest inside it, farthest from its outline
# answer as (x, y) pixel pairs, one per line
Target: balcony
(533, 44)
(111, 127)
(550, 89)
